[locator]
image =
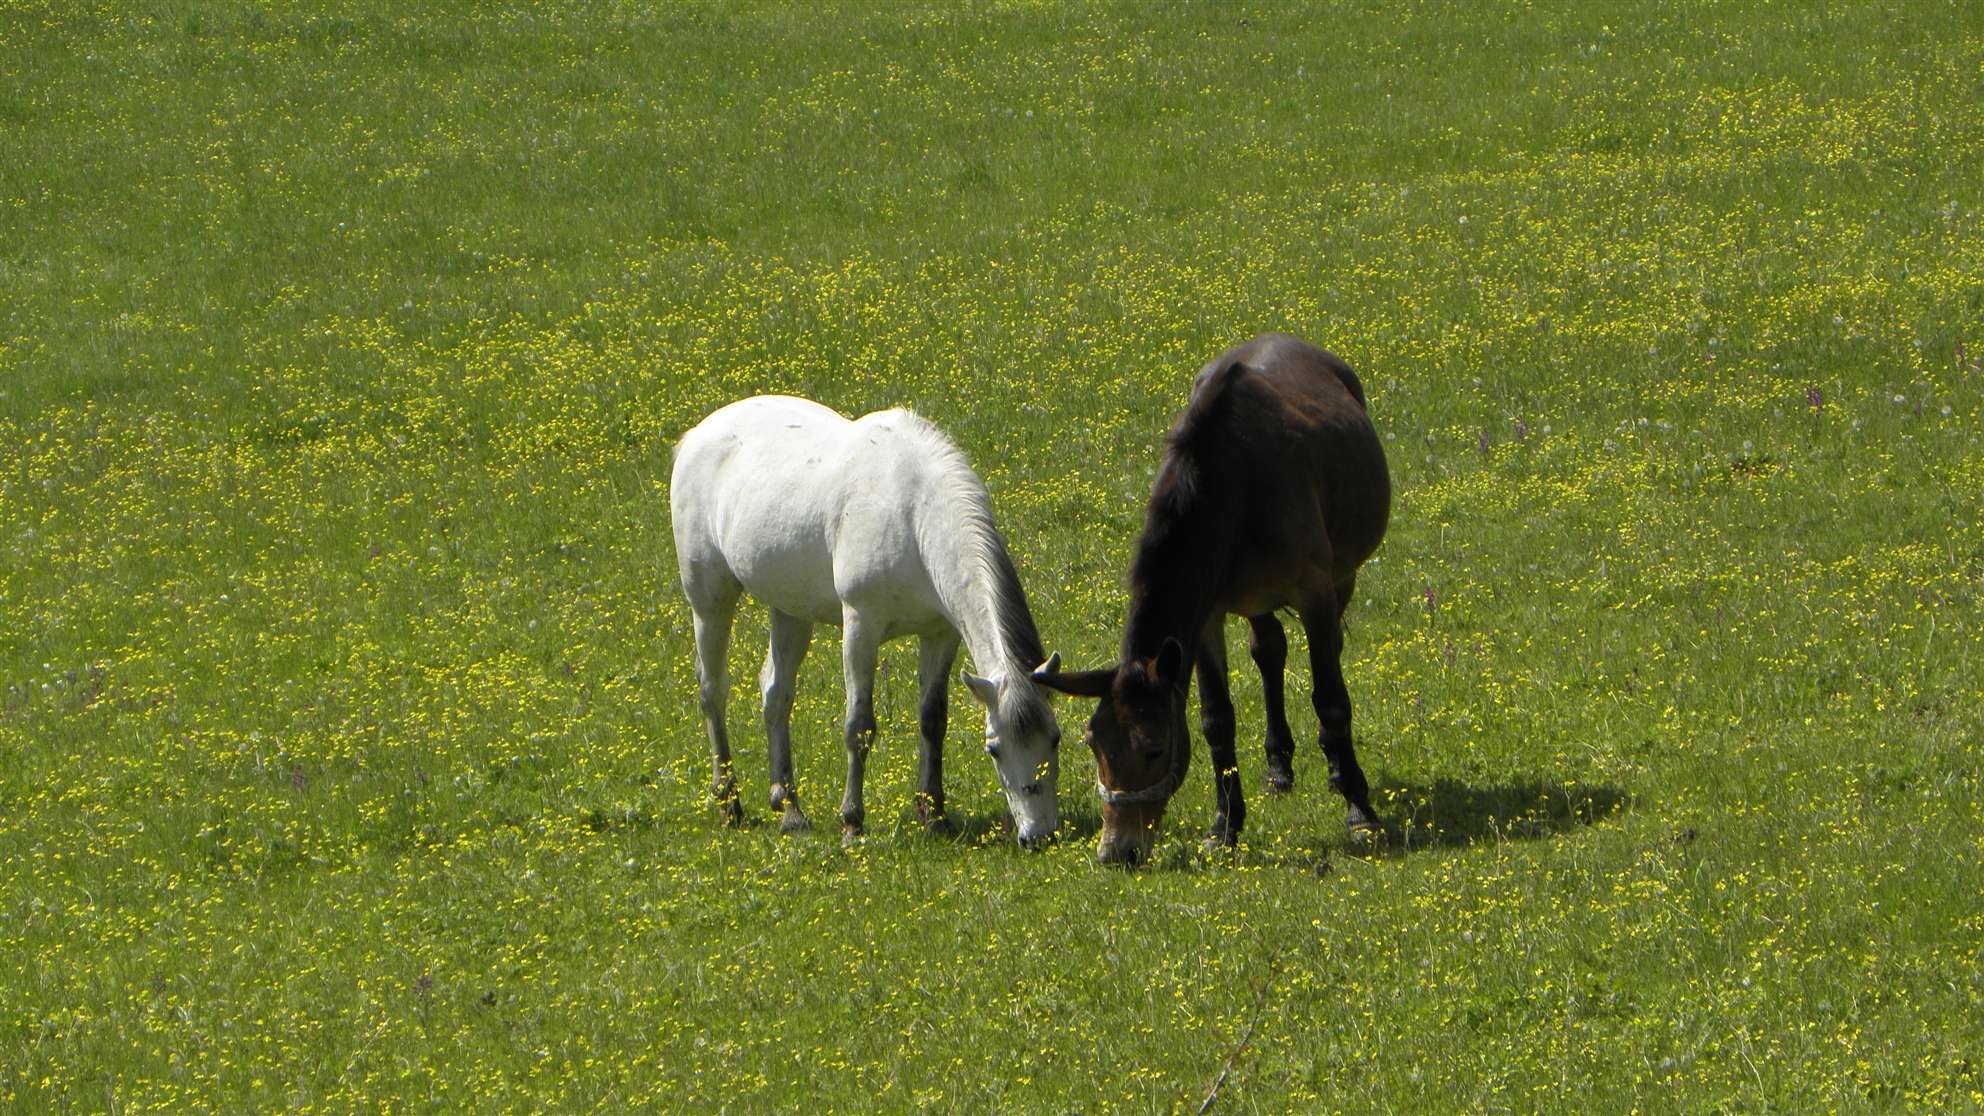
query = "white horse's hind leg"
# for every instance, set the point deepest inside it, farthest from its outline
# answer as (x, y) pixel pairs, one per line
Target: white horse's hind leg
(714, 611)
(933, 682)
(790, 637)
(861, 639)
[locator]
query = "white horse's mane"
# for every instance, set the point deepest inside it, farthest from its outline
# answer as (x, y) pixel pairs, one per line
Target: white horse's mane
(978, 531)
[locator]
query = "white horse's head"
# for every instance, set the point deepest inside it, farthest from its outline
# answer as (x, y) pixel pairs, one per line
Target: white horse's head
(1024, 741)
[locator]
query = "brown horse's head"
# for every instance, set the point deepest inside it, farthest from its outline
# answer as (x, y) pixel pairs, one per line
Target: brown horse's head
(1141, 745)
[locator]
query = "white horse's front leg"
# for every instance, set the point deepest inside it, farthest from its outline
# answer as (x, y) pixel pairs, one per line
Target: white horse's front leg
(933, 683)
(790, 636)
(860, 641)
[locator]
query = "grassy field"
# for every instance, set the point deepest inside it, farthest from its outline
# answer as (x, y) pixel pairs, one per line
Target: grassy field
(348, 748)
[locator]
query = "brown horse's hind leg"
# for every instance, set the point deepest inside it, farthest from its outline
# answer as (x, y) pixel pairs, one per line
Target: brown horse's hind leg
(1268, 644)
(1216, 722)
(1323, 619)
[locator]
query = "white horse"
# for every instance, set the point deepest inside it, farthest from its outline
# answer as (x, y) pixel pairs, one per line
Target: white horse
(878, 525)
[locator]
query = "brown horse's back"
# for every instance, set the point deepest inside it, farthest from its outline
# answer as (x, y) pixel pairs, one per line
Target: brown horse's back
(1279, 427)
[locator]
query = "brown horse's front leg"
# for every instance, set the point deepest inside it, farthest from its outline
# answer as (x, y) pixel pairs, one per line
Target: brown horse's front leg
(1324, 621)
(1216, 722)
(1268, 644)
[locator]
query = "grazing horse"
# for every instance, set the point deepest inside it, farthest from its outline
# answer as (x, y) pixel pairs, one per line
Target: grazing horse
(877, 525)
(1271, 492)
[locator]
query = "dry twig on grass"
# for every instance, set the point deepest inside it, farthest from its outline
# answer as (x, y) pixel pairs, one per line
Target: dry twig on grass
(1246, 1036)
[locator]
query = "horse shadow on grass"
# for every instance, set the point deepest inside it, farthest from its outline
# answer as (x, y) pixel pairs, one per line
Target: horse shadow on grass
(1449, 813)
(1446, 813)
(1443, 814)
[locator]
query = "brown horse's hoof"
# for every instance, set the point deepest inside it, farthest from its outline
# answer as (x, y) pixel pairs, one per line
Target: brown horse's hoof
(731, 810)
(1365, 828)
(1281, 771)
(794, 821)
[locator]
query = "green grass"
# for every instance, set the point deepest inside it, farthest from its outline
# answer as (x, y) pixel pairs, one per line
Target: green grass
(348, 751)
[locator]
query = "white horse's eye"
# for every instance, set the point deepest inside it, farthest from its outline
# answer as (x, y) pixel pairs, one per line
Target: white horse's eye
(992, 748)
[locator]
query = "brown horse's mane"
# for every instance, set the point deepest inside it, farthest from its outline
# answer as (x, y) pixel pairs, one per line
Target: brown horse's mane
(1183, 552)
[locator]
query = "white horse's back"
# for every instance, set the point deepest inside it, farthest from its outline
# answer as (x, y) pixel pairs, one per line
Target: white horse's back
(754, 488)
(806, 509)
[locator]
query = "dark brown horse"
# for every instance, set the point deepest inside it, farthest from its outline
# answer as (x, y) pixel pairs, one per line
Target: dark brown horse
(1271, 492)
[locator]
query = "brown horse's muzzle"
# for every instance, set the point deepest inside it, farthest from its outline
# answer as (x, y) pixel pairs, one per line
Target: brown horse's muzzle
(1128, 832)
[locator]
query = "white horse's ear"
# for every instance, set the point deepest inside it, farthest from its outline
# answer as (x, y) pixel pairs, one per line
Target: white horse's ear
(984, 689)
(1052, 664)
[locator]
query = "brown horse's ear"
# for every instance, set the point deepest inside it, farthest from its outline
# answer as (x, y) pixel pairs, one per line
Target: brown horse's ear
(1079, 683)
(1169, 665)
(1209, 395)
(1212, 386)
